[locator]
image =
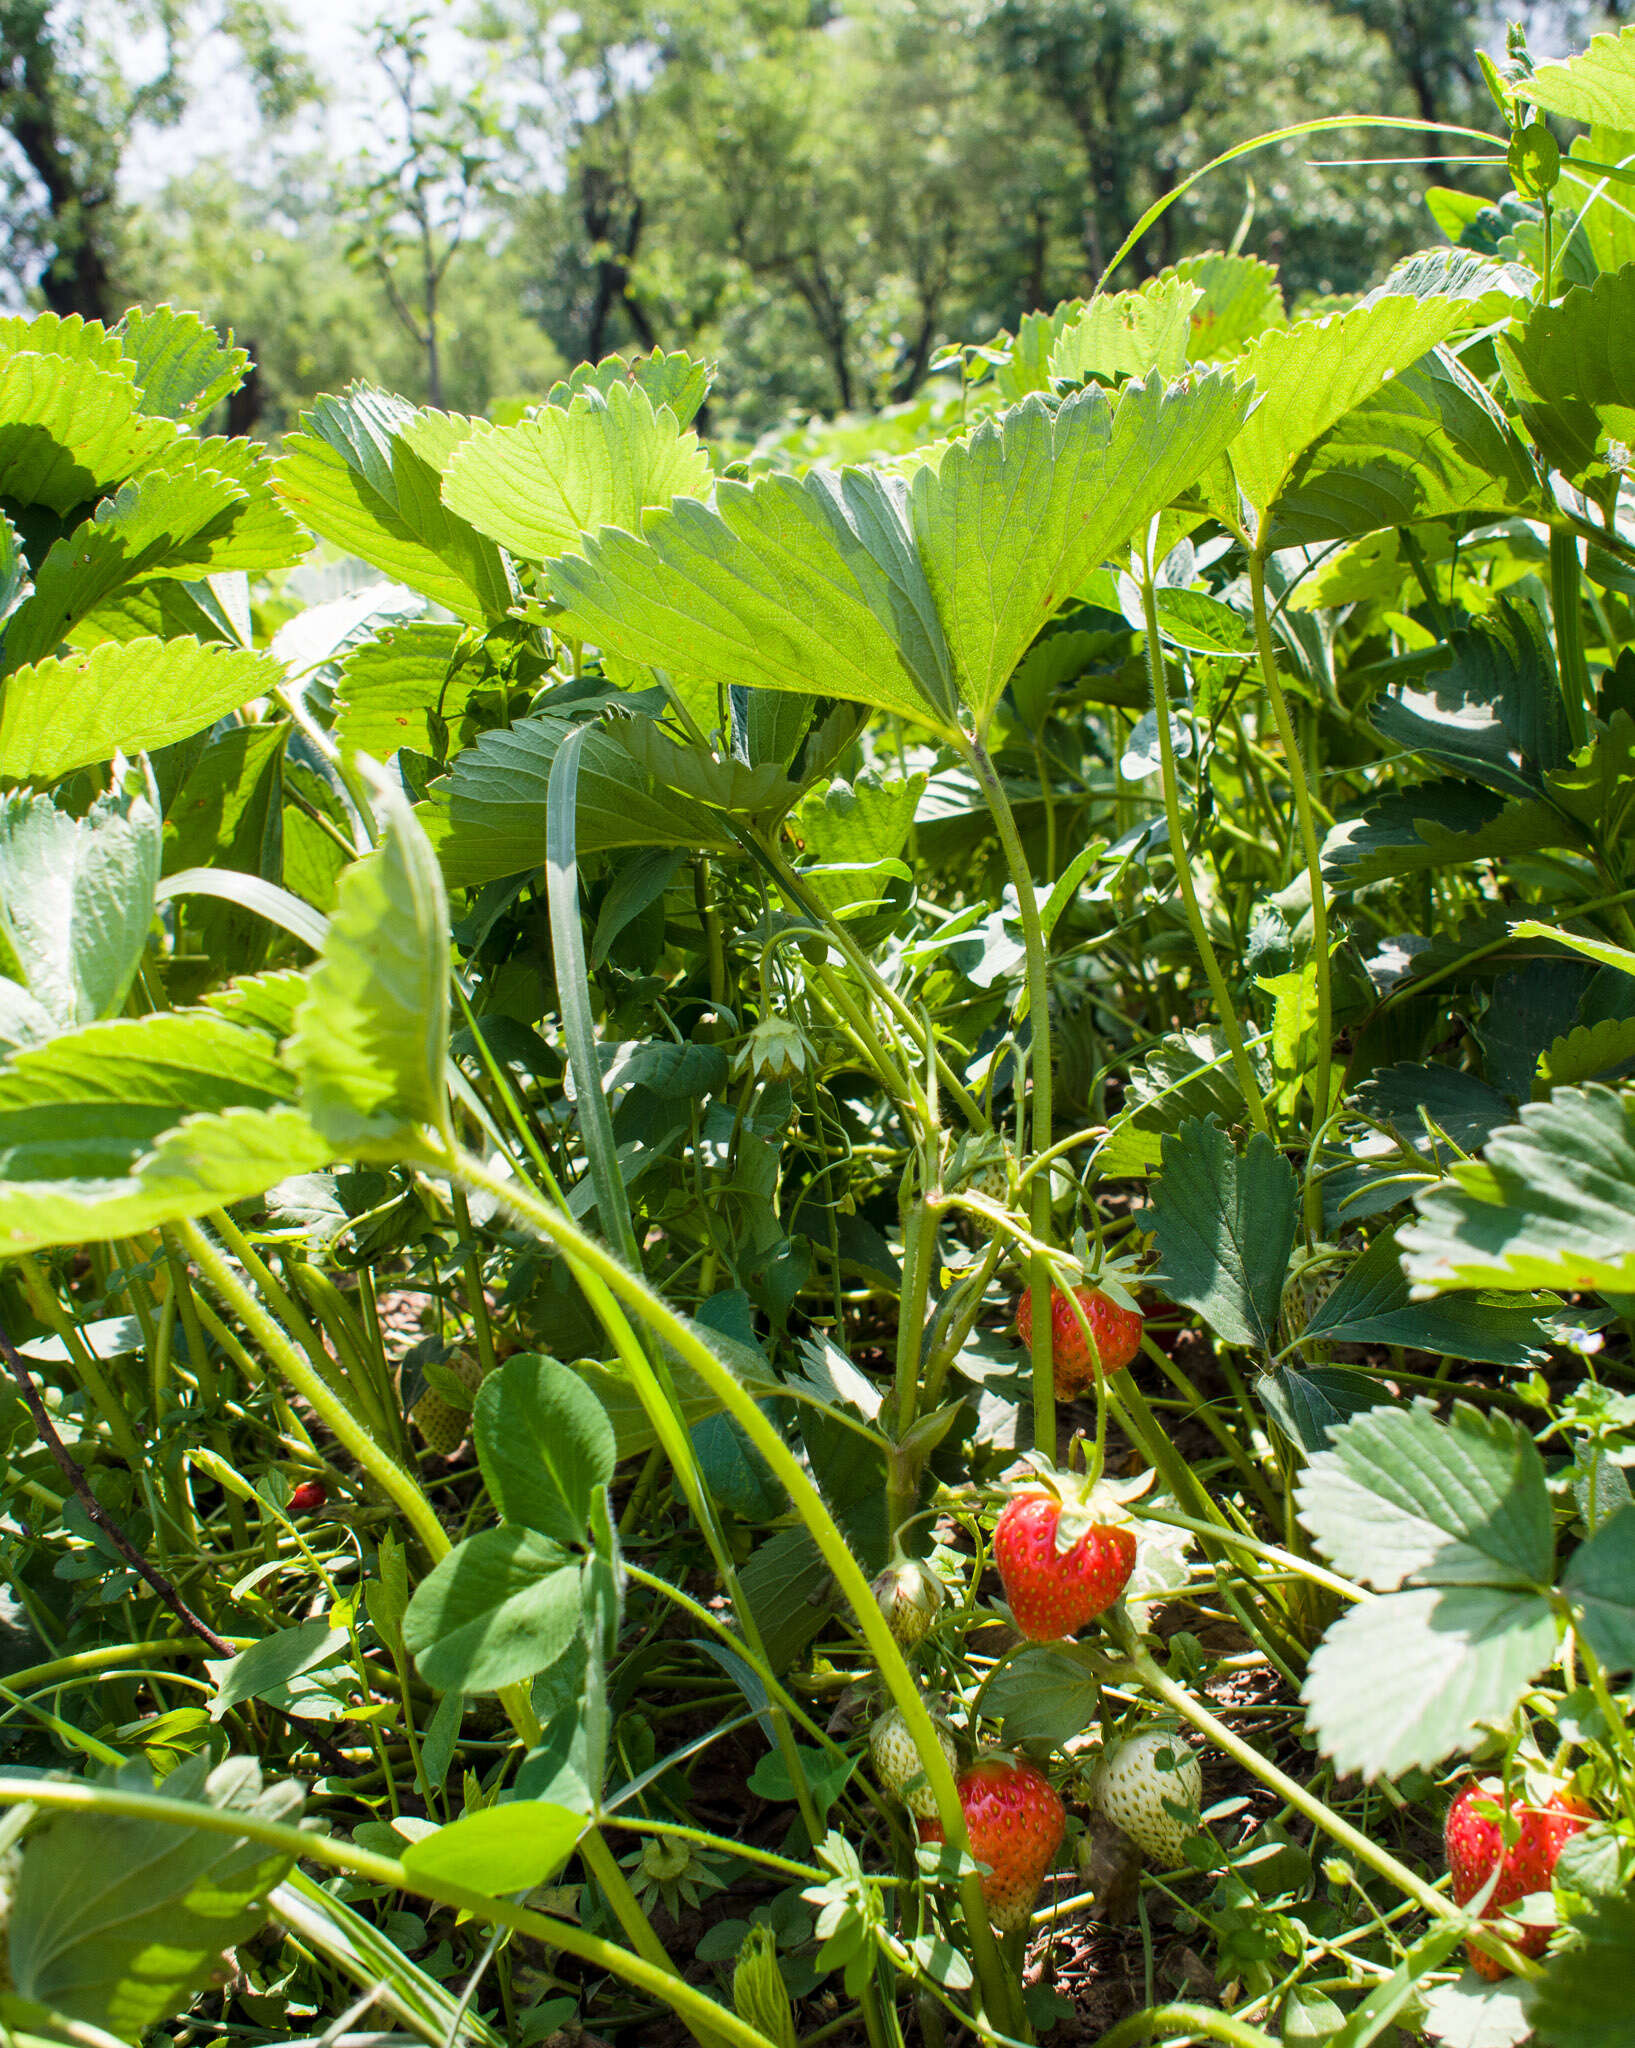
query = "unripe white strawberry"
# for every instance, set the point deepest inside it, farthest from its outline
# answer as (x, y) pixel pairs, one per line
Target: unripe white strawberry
(910, 1596)
(897, 1762)
(1132, 1783)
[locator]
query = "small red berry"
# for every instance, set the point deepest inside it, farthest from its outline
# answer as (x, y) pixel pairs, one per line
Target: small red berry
(1016, 1822)
(1117, 1333)
(1475, 1844)
(1053, 1593)
(308, 1497)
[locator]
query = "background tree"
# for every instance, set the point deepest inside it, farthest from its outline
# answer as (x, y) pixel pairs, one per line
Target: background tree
(429, 180)
(69, 110)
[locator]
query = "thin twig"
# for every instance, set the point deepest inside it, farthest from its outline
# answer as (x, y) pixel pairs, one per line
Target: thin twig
(339, 1765)
(97, 1512)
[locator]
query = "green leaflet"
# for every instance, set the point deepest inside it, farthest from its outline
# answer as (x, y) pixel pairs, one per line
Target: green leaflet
(1019, 514)
(1456, 1515)
(153, 526)
(119, 1922)
(916, 598)
(1241, 298)
(1309, 376)
(538, 486)
(494, 824)
(371, 1039)
(1224, 1227)
(1596, 85)
(1127, 334)
(392, 687)
(675, 380)
(181, 367)
(122, 1125)
(61, 714)
(783, 585)
(76, 900)
(1552, 1204)
(69, 429)
(1429, 444)
(502, 1605)
(1571, 368)
(357, 478)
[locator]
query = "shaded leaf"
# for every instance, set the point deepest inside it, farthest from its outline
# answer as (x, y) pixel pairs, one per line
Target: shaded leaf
(1224, 1227)
(1552, 1205)
(501, 1606)
(371, 1039)
(1402, 1496)
(1600, 1582)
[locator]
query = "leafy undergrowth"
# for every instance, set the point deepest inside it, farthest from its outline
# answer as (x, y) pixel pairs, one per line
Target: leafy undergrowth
(837, 1254)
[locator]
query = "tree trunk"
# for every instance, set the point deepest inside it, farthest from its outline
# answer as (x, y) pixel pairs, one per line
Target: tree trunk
(76, 276)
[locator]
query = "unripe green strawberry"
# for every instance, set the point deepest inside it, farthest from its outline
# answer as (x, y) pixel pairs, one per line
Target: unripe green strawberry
(898, 1765)
(1133, 1782)
(1117, 1333)
(910, 1596)
(1055, 1587)
(1016, 1823)
(759, 1995)
(1475, 1844)
(442, 1426)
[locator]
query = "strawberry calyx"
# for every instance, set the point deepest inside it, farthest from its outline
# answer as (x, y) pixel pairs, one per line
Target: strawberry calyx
(1086, 1503)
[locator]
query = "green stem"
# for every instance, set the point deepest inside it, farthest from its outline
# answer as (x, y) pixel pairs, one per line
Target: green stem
(679, 1335)
(398, 1485)
(1577, 691)
(1041, 1112)
(476, 1300)
(43, 1301)
(1295, 768)
(603, 1866)
(1181, 862)
(1379, 1860)
(1207, 2020)
(700, 2013)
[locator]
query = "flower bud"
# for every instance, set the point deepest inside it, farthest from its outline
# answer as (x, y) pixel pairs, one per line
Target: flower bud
(910, 1596)
(759, 1995)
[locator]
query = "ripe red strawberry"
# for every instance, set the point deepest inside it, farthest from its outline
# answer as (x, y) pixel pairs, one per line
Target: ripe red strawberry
(1016, 1823)
(1052, 1592)
(1117, 1333)
(308, 1497)
(1475, 1844)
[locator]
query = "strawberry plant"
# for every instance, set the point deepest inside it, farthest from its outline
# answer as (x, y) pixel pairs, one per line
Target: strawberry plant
(565, 990)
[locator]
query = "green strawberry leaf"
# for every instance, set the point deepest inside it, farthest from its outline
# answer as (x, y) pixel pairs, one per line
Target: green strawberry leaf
(1402, 1681)
(1224, 1227)
(118, 1922)
(1371, 1306)
(1583, 1998)
(1600, 1582)
(371, 1040)
(1404, 1497)
(503, 1605)
(1552, 1204)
